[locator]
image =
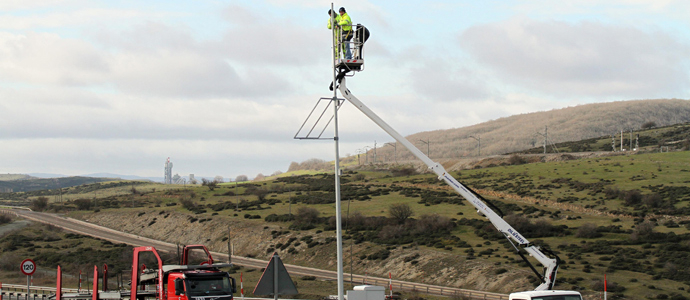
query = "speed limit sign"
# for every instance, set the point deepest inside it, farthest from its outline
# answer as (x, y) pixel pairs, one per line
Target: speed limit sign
(28, 267)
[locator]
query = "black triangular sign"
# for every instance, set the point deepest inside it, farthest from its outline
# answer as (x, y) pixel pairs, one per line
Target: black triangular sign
(266, 286)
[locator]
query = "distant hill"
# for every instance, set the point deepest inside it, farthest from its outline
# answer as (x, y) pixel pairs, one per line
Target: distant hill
(34, 184)
(525, 131)
(7, 177)
(127, 177)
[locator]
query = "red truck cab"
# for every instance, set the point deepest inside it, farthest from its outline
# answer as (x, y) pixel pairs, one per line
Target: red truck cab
(184, 281)
(201, 284)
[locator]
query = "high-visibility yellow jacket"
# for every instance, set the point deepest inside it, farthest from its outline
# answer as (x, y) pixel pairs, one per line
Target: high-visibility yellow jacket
(345, 22)
(337, 21)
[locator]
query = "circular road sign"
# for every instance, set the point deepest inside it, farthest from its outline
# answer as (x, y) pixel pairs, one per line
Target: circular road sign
(28, 267)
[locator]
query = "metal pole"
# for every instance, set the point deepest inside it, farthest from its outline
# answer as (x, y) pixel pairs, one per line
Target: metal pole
(352, 284)
(546, 134)
(479, 144)
(338, 213)
(275, 276)
(395, 152)
(427, 145)
(374, 151)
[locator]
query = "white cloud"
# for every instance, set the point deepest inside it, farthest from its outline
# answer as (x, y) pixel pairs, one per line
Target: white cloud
(44, 58)
(442, 79)
(9, 5)
(67, 17)
(582, 59)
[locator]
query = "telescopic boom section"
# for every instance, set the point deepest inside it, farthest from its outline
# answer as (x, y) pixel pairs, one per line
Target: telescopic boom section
(550, 265)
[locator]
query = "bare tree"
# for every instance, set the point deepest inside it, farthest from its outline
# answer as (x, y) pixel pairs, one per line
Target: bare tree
(210, 184)
(218, 179)
(642, 231)
(400, 212)
(294, 166)
(242, 178)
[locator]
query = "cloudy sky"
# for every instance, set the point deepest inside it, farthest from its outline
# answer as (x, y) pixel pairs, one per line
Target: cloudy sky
(221, 87)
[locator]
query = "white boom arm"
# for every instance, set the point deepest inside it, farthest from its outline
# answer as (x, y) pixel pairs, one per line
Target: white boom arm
(550, 264)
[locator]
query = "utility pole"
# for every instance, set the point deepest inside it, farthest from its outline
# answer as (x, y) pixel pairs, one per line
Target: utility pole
(395, 151)
(479, 144)
(546, 134)
(427, 146)
(631, 131)
(338, 212)
(374, 151)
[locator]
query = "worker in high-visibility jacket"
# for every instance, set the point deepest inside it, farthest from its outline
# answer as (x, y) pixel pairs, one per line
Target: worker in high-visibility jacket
(346, 33)
(343, 31)
(334, 18)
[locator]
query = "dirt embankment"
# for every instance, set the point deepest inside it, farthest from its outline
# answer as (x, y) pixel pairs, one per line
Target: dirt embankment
(253, 238)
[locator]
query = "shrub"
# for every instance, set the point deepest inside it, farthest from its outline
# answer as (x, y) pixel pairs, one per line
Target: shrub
(433, 223)
(83, 204)
(588, 230)
(381, 254)
(405, 171)
(4, 219)
(500, 271)
(598, 285)
(392, 232)
(642, 231)
(516, 160)
(632, 198)
(648, 125)
(307, 215)
(188, 204)
(39, 204)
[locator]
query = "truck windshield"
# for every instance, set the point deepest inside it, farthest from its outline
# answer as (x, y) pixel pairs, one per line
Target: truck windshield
(558, 297)
(208, 286)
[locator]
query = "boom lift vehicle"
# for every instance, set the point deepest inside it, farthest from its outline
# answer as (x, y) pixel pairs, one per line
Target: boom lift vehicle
(545, 257)
(172, 282)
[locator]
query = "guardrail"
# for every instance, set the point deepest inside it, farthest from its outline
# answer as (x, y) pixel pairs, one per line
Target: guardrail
(18, 292)
(437, 290)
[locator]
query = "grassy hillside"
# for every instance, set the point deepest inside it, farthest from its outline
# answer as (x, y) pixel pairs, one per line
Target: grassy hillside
(624, 215)
(519, 132)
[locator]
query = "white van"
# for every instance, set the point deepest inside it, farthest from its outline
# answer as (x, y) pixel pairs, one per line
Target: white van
(546, 295)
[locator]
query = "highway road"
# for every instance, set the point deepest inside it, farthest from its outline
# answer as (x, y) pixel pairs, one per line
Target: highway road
(89, 229)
